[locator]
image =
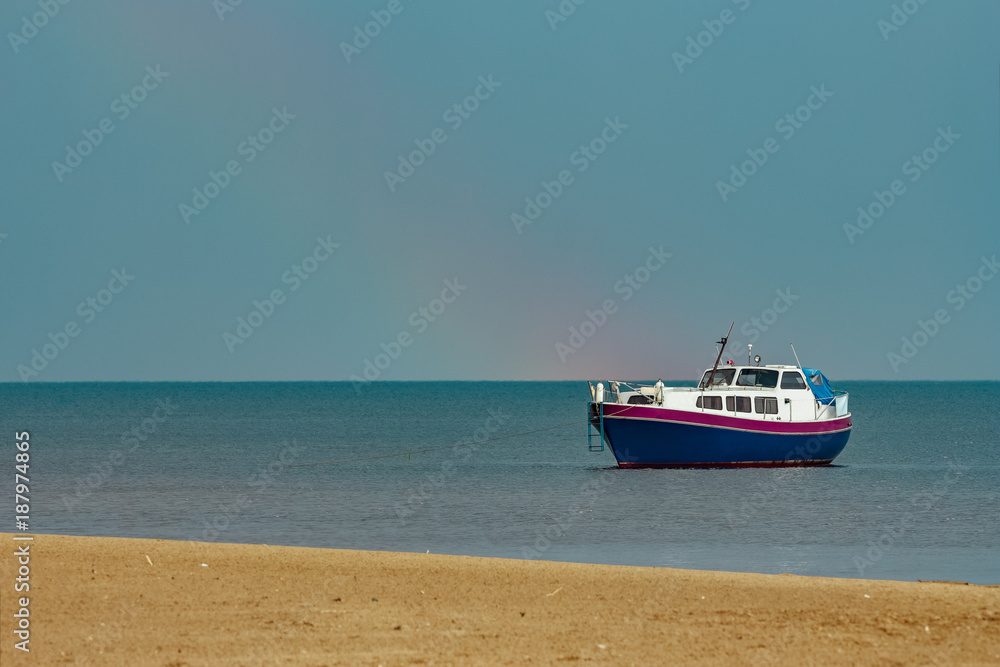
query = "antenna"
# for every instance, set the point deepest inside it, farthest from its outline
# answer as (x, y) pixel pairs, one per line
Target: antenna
(796, 357)
(722, 342)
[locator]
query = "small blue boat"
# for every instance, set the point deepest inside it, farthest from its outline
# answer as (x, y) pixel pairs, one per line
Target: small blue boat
(737, 416)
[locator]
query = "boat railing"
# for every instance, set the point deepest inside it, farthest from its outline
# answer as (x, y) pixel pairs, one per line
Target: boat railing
(840, 398)
(838, 401)
(613, 389)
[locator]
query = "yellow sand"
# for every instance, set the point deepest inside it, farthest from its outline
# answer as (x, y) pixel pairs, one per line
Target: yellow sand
(110, 601)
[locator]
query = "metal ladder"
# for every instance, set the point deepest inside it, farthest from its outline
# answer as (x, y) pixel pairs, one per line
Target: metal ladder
(599, 447)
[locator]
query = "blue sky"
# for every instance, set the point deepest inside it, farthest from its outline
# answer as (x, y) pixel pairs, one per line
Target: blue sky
(726, 144)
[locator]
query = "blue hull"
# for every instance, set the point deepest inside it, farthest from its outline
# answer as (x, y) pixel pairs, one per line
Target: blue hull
(642, 443)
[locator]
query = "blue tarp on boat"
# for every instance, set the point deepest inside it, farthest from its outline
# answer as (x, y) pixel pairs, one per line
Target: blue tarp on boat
(819, 385)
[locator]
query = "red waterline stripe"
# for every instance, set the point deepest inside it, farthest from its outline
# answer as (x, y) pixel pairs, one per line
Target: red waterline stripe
(740, 464)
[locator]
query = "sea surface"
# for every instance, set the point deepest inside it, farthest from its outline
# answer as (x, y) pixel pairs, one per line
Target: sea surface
(914, 495)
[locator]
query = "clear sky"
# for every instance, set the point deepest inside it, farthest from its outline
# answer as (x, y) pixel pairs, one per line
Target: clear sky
(507, 168)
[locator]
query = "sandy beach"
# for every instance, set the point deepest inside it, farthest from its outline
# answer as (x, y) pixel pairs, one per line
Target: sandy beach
(111, 601)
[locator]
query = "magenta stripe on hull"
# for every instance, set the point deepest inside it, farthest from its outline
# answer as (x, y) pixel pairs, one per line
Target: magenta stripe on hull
(739, 464)
(617, 411)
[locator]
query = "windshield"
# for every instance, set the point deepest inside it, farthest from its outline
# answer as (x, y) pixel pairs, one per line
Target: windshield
(757, 377)
(722, 376)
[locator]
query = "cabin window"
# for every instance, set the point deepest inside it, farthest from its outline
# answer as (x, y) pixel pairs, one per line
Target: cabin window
(792, 380)
(738, 403)
(765, 406)
(640, 399)
(709, 402)
(722, 376)
(757, 377)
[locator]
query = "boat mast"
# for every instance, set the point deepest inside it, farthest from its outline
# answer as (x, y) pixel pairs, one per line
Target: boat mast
(721, 350)
(796, 356)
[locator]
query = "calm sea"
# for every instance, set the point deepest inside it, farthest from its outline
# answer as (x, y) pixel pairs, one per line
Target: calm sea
(913, 496)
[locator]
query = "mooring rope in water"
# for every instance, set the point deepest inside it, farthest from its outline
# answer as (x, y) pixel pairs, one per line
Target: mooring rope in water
(435, 449)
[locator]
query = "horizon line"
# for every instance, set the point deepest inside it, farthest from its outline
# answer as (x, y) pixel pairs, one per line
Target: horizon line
(18, 382)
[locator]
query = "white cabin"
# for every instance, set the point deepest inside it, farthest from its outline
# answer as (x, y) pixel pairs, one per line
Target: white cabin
(767, 393)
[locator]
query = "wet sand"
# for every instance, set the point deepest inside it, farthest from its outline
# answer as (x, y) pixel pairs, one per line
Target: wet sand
(110, 601)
